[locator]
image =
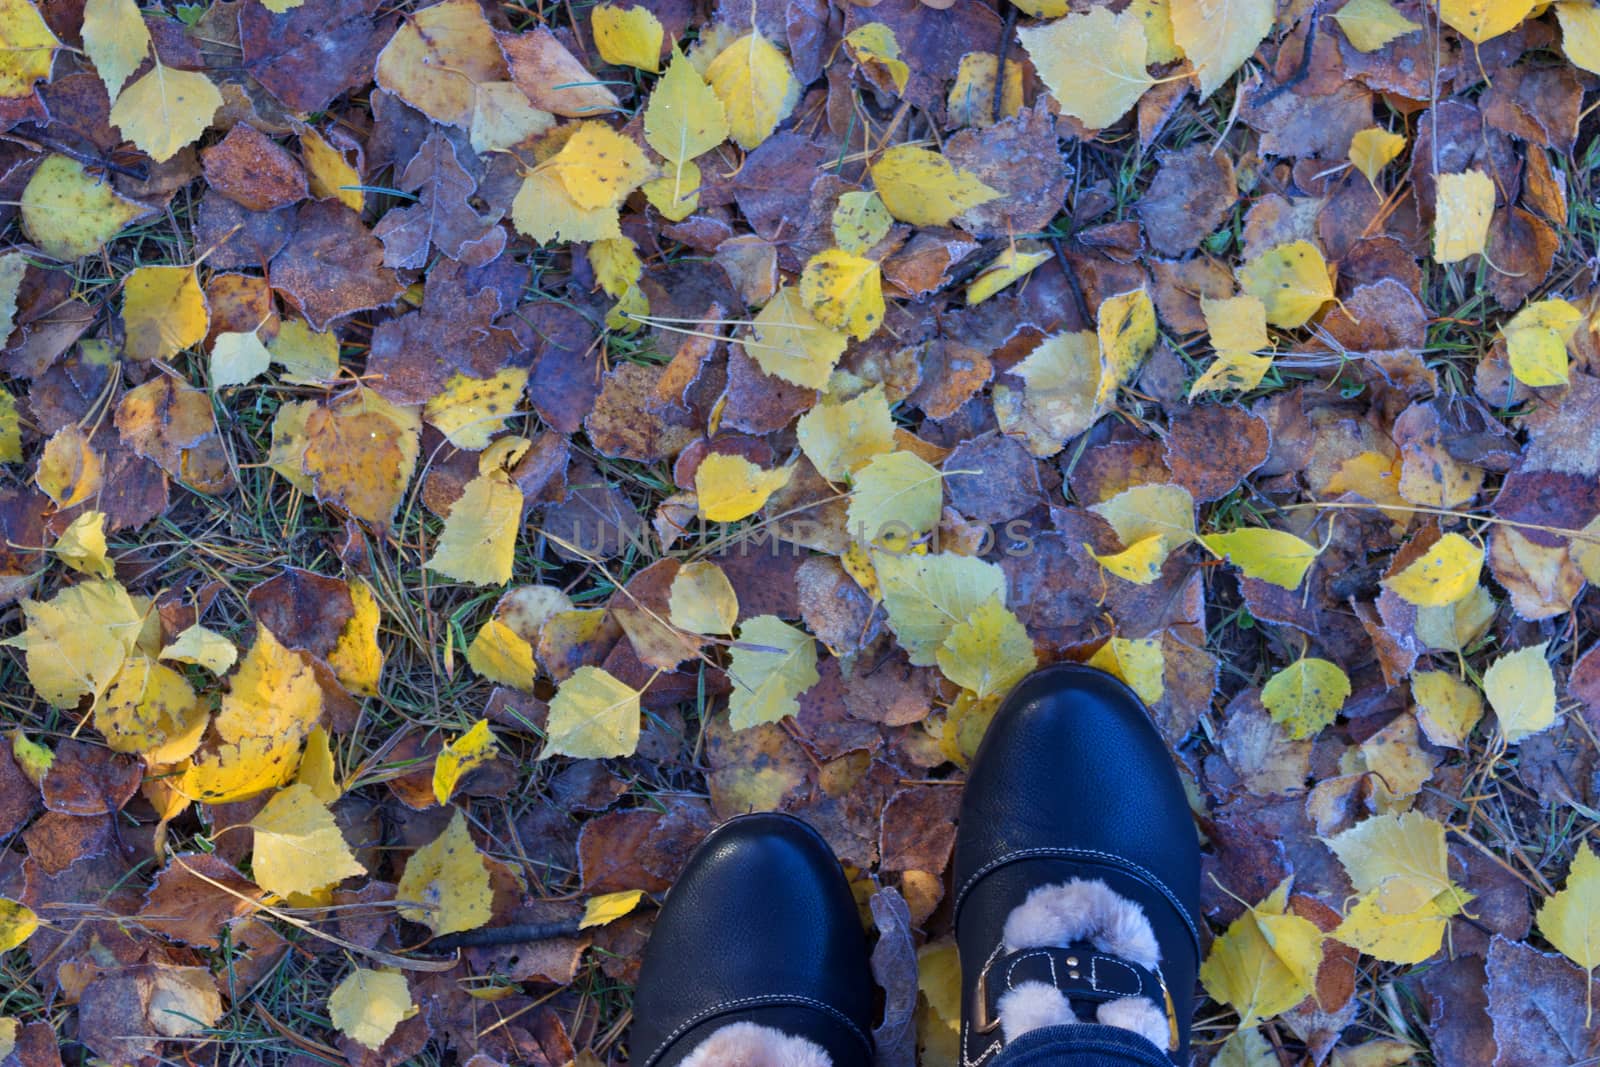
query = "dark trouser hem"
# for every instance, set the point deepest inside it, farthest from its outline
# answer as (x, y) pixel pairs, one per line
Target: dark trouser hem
(1081, 1045)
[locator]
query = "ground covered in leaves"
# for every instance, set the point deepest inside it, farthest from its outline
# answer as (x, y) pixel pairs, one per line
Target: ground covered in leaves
(454, 455)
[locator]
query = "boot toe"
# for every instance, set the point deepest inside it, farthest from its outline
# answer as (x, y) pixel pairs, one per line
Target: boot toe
(761, 926)
(1073, 764)
(1073, 781)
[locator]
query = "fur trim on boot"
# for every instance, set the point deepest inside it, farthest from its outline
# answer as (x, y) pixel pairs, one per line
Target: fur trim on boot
(749, 1045)
(1081, 910)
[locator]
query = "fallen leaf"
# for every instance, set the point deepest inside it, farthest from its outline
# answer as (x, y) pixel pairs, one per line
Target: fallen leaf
(445, 885)
(367, 1006)
(627, 36)
(1306, 696)
(1522, 691)
(756, 86)
(1093, 64)
(298, 847)
(1218, 36)
(116, 39)
(609, 907)
(166, 110)
(1291, 281)
(593, 716)
(771, 664)
(1266, 962)
(461, 757)
(1461, 215)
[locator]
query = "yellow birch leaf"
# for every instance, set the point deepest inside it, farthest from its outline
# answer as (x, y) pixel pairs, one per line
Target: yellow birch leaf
(789, 342)
(82, 546)
(1447, 708)
(10, 428)
(1463, 207)
(1011, 265)
(971, 98)
(1232, 370)
(503, 117)
(329, 173)
(873, 46)
(609, 907)
(203, 648)
(1402, 857)
(628, 37)
(770, 665)
(274, 693)
(1480, 20)
(1042, 9)
(479, 541)
(1236, 323)
(923, 188)
(843, 291)
(599, 166)
(1266, 962)
(1398, 937)
(1522, 691)
(1306, 696)
(1246, 1048)
(756, 85)
(593, 716)
(1371, 24)
(356, 659)
(1143, 510)
(730, 487)
(1374, 148)
(461, 757)
(17, 924)
(927, 595)
(227, 772)
(1443, 575)
(616, 263)
(445, 885)
(1570, 920)
(1063, 378)
(860, 221)
(1093, 64)
(116, 39)
(306, 356)
(438, 57)
(675, 195)
(470, 411)
(1537, 339)
(164, 311)
(150, 710)
(1291, 281)
(684, 117)
(166, 110)
(33, 759)
(1126, 328)
(1136, 661)
(988, 652)
(897, 498)
(1580, 33)
(298, 846)
(69, 213)
(501, 655)
(76, 641)
(238, 357)
(70, 471)
(840, 438)
(317, 770)
(1586, 551)
(1217, 36)
(545, 211)
(702, 599)
(1269, 555)
(1139, 563)
(368, 1005)
(27, 48)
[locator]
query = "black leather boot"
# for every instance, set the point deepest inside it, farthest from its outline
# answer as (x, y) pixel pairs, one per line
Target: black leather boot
(758, 957)
(1077, 870)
